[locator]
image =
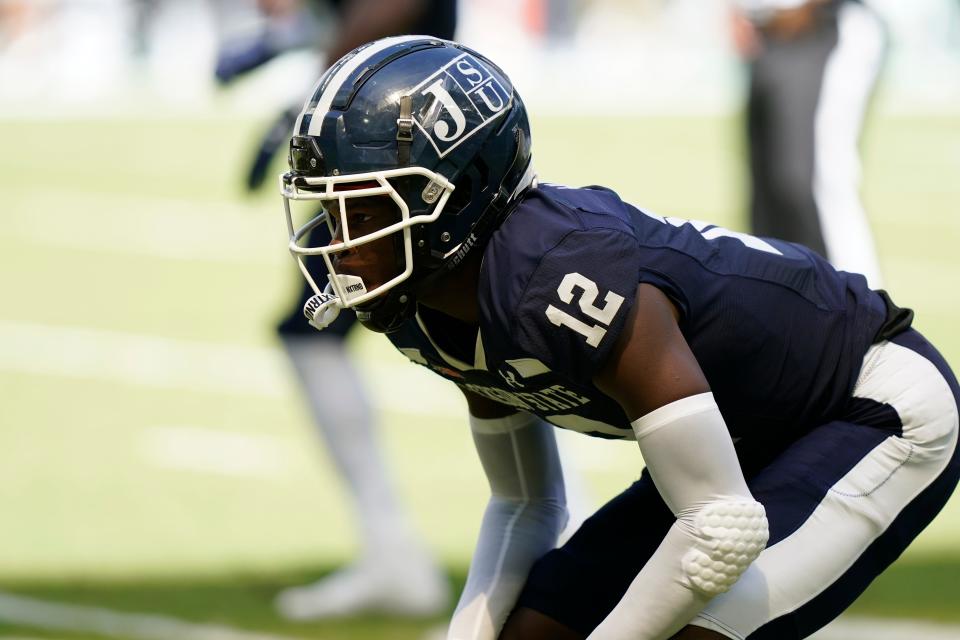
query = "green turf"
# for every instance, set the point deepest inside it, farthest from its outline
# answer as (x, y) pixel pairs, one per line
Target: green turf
(139, 227)
(243, 599)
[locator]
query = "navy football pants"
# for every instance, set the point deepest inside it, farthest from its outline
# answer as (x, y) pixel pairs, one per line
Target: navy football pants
(843, 502)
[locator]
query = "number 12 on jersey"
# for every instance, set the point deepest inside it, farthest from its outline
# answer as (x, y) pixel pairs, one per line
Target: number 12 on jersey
(594, 333)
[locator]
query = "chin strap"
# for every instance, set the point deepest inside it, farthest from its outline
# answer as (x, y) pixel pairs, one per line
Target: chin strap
(516, 180)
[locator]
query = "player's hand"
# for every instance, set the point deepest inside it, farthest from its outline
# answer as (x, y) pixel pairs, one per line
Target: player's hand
(277, 136)
(744, 35)
(789, 24)
(275, 8)
(235, 60)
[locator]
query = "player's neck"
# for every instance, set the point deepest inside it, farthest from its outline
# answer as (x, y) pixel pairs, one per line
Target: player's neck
(456, 294)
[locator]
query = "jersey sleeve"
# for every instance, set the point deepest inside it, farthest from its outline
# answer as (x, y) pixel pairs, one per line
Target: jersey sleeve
(577, 301)
(669, 286)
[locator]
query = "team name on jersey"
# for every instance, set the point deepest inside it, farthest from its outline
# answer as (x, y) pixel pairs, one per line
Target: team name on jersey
(555, 398)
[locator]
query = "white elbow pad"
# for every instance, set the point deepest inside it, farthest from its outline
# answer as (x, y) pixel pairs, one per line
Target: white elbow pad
(694, 465)
(728, 536)
(720, 528)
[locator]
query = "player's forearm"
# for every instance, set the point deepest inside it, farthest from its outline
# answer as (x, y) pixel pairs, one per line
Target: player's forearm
(658, 602)
(525, 515)
(514, 534)
(720, 528)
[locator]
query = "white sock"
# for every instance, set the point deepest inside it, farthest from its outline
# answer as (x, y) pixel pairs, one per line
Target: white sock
(344, 419)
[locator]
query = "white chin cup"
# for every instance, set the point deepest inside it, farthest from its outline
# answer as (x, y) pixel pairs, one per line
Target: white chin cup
(322, 309)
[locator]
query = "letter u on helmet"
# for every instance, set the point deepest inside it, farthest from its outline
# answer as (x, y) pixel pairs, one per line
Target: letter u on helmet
(428, 123)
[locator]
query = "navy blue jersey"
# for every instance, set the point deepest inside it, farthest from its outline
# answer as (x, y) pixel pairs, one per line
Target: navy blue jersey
(779, 333)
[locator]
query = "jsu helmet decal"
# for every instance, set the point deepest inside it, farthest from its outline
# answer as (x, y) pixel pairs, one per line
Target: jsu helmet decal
(462, 85)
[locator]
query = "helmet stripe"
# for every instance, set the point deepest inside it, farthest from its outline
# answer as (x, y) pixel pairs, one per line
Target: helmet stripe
(343, 74)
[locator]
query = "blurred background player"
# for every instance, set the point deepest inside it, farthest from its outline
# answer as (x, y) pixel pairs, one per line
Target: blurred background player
(395, 574)
(813, 68)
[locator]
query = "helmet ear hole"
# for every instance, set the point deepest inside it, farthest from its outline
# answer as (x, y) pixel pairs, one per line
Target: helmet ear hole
(483, 173)
(462, 193)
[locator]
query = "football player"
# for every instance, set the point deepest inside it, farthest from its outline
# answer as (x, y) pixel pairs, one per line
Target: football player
(394, 574)
(797, 432)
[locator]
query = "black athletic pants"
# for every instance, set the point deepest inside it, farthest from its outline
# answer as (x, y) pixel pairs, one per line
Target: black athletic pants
(805, 112)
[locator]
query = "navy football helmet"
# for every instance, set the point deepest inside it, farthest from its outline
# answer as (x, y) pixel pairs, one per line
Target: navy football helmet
(428, 123)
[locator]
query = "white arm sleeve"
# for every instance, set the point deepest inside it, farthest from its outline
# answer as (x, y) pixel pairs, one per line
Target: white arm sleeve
(526, 513)
(720, 528)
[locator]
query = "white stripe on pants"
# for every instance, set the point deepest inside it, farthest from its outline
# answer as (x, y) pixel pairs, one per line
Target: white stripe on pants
(861, 505)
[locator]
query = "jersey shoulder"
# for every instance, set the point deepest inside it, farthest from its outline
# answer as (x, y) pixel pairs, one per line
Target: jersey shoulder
(559, 278)
(542, 224)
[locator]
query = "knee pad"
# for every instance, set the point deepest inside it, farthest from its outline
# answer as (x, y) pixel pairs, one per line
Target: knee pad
(729, 535)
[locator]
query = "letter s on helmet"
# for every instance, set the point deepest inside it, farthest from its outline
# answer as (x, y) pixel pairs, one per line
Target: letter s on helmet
(434, 126)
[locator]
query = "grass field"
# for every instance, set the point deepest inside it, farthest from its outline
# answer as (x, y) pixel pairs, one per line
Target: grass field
(154, 455)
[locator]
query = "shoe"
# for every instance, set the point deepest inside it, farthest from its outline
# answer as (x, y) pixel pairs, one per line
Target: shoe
(413, 591)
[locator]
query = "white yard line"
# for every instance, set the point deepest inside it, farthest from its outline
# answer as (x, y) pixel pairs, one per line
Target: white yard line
(215, 451)
(189, 365)
(169, 228)
(41, 614)
(151, 361)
